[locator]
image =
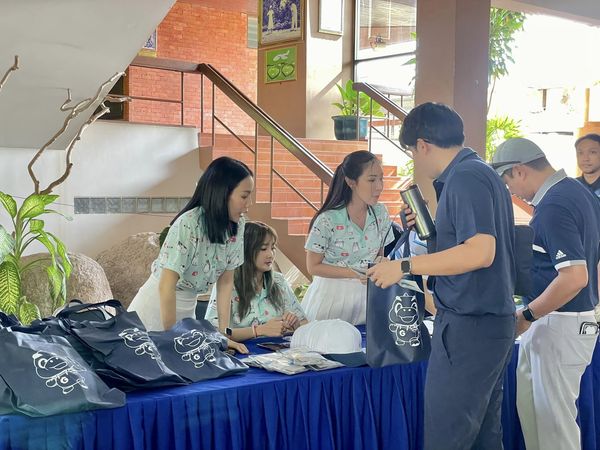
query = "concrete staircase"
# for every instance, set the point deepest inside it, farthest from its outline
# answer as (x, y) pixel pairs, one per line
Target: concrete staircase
(288, 213)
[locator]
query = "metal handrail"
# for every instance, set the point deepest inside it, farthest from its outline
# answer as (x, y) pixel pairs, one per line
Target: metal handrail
(262, 119)
(376, 95)
(324, 173)
(380, 98)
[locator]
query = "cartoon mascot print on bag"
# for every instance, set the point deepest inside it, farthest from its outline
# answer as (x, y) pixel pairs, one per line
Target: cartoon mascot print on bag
(404, 321)
(196, 347)
(140, 341)
(57, 371)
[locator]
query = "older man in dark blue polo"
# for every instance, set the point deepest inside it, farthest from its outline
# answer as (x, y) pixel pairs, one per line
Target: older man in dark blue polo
(558, 324)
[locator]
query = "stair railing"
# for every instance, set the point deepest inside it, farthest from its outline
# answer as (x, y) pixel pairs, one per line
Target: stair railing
(391, 108)
(261, 119)
(273, 129)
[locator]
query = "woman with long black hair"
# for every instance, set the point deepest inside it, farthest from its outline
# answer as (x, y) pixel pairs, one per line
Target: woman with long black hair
(204, 245)
(347, 233)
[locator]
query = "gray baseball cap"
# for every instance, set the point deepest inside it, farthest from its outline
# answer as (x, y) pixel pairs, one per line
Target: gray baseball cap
(513, 152)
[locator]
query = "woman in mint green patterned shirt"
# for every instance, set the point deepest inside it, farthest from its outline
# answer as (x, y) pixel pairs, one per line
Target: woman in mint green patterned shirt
(262, 302)
(349, 231)
(203, 247)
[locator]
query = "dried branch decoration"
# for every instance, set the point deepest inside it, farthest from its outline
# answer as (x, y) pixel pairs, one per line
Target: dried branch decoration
(11, 69)
(74, 111)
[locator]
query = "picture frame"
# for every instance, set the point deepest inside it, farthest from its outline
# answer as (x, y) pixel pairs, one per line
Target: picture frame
(281, 64)
(280, 21)
(331, 17)
(151, 46)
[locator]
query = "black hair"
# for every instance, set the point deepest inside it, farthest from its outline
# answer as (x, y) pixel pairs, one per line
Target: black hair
(212, 193)
(244, 278)
(590, 136)
(435, 123)
(537, 164)
(340, 194)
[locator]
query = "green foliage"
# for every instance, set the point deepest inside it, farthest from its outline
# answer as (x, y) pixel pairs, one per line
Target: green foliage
(351, 100)
(408, 170)
(28, 228)
(300, 290)
(504, 25)
(498, 130)
(7, 243)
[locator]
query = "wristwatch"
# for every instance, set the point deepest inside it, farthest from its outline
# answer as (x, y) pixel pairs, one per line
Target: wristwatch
(405, 265)
(528, 315)
(228, 331)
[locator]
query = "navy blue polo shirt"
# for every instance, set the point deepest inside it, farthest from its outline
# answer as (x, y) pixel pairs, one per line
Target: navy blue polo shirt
(566, 227)
(472, 199)
(594, 187)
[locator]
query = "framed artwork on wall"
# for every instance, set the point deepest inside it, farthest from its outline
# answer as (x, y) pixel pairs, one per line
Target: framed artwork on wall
(280, 64)
(280, 20)
(331, 16)
(150, 47)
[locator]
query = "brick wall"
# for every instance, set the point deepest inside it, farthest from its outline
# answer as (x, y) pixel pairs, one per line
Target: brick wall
(195, 33)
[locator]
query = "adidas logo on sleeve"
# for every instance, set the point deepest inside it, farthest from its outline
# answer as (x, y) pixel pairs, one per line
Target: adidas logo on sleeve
(559, 255)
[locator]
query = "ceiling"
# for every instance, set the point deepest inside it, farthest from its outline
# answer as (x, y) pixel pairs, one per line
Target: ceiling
(249, 7)
(64, 44)
(587, 11)
(79, 44)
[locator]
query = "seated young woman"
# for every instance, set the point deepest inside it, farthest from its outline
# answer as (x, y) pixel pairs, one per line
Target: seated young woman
(262, 301)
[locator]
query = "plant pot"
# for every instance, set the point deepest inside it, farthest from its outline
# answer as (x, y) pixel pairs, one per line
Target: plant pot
(345, 127)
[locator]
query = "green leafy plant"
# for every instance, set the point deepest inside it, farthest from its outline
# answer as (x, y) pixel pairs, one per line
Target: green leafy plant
(498, 130)
(352, 100)
(300, 290)
(504, 24)
(29, 228)
(408, 170)
(26, 220)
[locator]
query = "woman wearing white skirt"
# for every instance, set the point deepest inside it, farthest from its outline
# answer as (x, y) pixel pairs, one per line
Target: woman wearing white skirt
(349, 231)
(203, 247)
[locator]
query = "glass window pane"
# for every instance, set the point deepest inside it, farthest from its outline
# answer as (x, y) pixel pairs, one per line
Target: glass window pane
(385, 27)
(390, 74)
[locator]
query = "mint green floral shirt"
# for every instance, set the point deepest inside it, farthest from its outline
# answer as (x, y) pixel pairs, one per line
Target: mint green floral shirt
(344, 244)
(261, 309)
(188, 251)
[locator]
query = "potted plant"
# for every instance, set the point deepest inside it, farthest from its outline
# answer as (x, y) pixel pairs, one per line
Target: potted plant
(29, 228)
(351, 102)
(27, 223)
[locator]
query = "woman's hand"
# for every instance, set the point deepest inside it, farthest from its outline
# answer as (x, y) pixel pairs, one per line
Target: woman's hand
(273, 328)
(290, 321)
(237, 346)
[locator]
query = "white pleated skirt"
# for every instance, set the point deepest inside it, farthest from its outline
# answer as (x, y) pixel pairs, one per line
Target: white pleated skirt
(336, 298)
(146, 304)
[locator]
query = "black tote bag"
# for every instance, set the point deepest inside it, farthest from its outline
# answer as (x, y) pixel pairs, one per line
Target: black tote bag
(523, 260)
(195, 350)
(122, 352)
(395, 330)
(47, 376)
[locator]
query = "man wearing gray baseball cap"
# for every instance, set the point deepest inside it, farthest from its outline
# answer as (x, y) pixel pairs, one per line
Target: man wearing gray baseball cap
(558, 325)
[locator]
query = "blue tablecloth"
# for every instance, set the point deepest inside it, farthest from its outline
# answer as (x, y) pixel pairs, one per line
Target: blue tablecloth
(345, 408)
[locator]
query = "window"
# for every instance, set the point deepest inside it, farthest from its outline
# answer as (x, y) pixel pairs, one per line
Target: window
(385, 44)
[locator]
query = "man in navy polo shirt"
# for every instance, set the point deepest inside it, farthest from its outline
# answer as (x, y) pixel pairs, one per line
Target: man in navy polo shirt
(558, 323)
(588, 159)
(473, 265)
